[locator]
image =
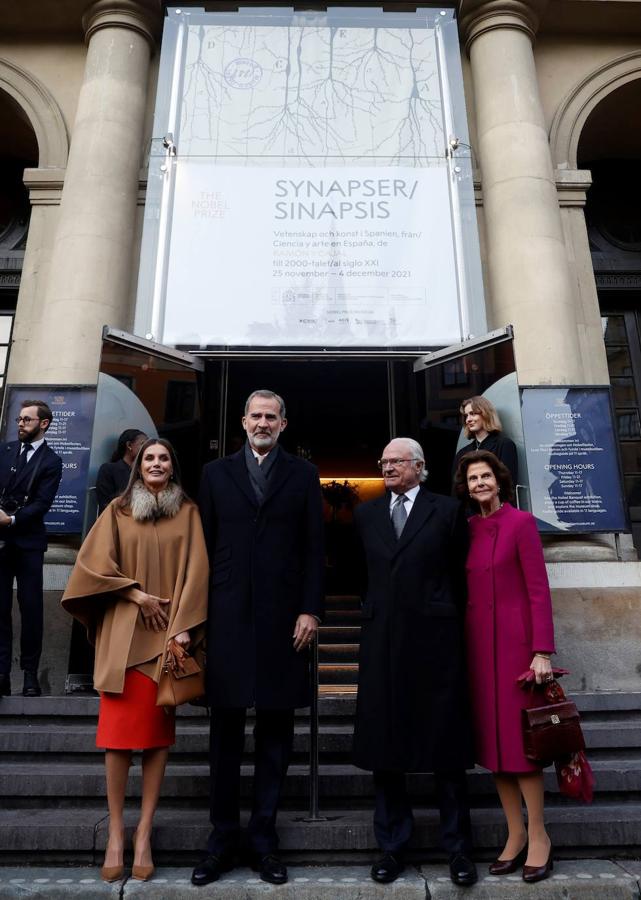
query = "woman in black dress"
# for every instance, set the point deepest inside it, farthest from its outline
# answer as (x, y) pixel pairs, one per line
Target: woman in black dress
(113, 476)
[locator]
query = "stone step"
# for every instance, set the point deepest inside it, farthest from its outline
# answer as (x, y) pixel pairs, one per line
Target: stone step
(337, 653)
(342, 601)
(337, 673)
(80, 834)
(334, 617)
(339, 634)
(192, 737)
(336, 691)
(592, 705)
(28, 784)
(587, 879)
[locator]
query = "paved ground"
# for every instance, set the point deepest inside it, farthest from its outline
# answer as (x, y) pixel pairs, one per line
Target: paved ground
(580, 880)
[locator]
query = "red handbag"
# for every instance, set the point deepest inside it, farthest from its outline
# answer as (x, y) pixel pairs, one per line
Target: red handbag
(552, 733)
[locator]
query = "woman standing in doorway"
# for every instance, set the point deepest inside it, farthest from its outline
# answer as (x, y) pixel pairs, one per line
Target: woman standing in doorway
(508, 629)
(484, 431)
(139, 586)
(113, 476)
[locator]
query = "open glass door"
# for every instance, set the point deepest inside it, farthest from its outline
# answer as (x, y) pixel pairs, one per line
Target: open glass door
(153, 388)
(483, 366)
(148, 386)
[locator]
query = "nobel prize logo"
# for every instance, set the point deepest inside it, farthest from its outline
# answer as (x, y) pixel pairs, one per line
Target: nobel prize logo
(243, 74)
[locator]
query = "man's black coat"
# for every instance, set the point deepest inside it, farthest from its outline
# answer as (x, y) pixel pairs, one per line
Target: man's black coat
(28, 532)
(267, 566)
(412, 711)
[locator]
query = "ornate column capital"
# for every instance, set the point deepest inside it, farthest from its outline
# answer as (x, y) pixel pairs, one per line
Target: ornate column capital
(476, 17)
(142, 16)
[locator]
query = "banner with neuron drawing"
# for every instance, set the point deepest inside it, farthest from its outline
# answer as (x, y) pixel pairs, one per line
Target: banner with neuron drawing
(306, 192)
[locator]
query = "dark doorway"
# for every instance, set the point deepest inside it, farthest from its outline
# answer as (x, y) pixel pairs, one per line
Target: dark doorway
(338, 416)
(338, 413)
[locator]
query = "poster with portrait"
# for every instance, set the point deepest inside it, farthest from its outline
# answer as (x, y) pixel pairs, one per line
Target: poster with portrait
(575, 482)
(69, 435)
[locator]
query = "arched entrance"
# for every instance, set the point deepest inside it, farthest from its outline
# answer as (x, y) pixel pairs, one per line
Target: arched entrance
(609, 146)
(19, 151)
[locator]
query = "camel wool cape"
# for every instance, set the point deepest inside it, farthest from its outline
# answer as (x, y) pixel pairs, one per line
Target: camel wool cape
(166, 557)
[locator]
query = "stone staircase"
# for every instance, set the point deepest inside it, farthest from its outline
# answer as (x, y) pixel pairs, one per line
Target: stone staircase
(338, 641)
(52, 792)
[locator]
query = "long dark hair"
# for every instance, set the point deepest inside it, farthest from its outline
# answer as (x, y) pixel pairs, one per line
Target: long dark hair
(501, 473)
(136, 474)
(128, 436)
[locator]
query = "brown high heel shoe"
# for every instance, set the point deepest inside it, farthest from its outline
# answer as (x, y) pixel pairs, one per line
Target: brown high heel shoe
(532, 874)
(507, 866)
(112, 873)
(141, 873)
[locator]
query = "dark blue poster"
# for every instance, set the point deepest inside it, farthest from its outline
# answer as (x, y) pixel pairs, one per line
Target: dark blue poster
(572, 459)
(69, 436)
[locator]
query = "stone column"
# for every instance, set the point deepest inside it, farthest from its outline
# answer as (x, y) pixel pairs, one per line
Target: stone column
(90, 273)
(528, 273)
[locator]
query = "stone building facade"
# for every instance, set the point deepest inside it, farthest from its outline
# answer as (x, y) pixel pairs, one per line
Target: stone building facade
(553, 89)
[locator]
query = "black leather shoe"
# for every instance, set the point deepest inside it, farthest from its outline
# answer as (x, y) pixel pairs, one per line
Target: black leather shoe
(387, 868)
(31, 684)
(462, 870)
(211, 868)
(5, 686)
(271, 869)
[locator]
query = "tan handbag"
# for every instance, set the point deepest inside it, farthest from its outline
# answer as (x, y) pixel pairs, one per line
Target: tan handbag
(182, 677)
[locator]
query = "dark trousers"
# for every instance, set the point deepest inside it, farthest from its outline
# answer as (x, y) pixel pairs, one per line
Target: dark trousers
(26, 567)
(394, 821)
(273, 738)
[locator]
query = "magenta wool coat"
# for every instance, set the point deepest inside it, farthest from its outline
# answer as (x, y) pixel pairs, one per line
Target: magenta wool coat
(508, 619)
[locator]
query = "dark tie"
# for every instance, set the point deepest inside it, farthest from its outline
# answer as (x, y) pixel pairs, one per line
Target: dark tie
(22, 459)
(399, 515)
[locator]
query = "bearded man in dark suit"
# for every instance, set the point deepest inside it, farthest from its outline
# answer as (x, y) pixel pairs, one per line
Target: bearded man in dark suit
(262, 515)
(411, 713)
(30, 473)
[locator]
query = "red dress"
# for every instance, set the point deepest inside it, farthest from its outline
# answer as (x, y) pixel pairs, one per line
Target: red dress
(131, 720)
(508, 618)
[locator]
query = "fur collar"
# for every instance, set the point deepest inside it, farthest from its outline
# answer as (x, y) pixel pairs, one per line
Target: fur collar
(146, 505)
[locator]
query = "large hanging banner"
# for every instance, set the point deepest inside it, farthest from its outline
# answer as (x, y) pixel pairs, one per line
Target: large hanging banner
(306, 193)
(336, 256)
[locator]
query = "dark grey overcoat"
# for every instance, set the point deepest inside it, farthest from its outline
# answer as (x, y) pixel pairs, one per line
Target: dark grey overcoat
(412, 708)
(267, 565)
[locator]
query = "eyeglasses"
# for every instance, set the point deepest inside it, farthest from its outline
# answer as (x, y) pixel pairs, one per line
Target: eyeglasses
(26, 420)
(389, 463)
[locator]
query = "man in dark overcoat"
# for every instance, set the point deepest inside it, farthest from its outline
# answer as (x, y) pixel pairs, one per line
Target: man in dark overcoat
(412, 710)
(262, 515)
(30, 474)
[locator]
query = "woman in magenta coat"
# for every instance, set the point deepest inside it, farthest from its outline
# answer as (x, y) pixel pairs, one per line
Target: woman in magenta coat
(508, 630)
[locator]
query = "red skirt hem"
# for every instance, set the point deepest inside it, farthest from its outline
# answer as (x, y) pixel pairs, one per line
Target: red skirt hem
(131, 720)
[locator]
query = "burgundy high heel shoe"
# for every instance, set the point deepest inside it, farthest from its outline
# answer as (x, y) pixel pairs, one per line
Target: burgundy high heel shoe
(532, 874)
(507, 866)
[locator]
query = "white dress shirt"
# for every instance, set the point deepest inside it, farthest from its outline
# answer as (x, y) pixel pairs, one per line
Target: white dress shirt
(257, 456)
(32, 449)
(409, 502)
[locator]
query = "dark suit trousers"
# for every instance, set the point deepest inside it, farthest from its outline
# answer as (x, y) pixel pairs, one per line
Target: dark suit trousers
(394, 822)
(26, 567)
(273, 738)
